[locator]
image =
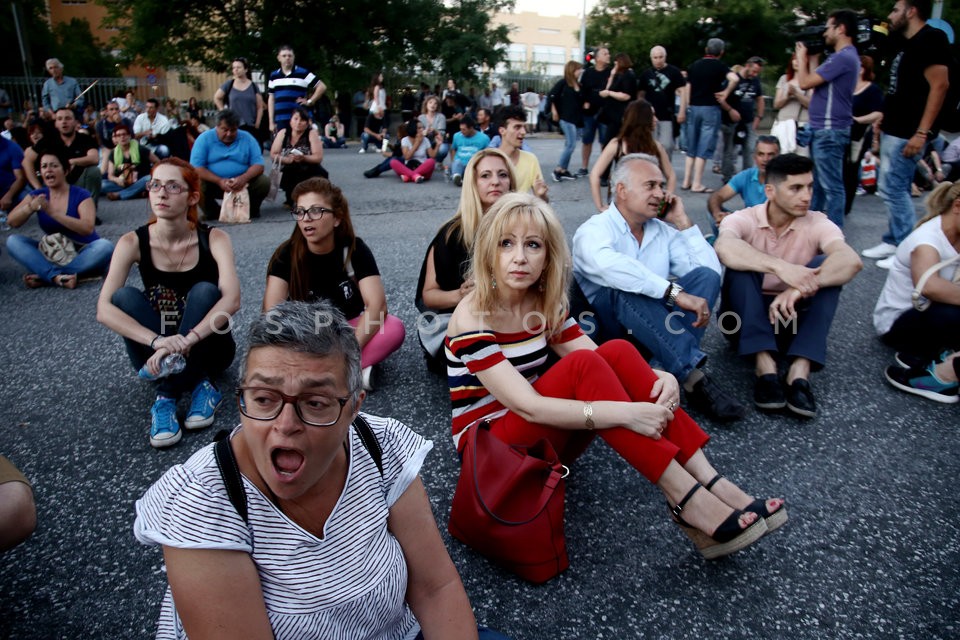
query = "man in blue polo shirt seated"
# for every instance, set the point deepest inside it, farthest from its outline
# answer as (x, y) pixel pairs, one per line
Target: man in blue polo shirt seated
(748, 183)
(228, 160)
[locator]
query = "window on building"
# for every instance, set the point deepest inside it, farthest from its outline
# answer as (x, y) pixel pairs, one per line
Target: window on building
(550, 59)
(517, 56)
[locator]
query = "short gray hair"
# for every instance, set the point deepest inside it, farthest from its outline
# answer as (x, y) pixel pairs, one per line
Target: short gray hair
(53, 61)
(315, 328)
(715, 46)
(622, 174)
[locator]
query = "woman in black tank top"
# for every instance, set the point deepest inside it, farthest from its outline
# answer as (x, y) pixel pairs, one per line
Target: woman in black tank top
(190, 292)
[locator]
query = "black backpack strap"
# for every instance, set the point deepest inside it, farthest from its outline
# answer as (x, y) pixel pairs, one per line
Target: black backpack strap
(369, 441)
(230, 472)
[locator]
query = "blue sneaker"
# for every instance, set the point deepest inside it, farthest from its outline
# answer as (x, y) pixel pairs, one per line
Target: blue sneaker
(164, 428)
(923, 382)
(204, 403)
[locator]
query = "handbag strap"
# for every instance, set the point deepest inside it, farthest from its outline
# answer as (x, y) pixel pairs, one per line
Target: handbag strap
(230, 470)
(550, 484)
(919, 302)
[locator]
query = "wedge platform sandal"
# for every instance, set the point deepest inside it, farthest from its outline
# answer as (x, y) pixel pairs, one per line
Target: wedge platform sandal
(727, 538)
(774, 519)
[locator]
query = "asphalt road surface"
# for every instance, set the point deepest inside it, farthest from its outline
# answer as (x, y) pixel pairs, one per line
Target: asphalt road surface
(870, 550)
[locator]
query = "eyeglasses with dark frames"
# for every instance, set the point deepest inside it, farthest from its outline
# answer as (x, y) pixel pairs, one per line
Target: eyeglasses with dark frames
(314, 409)
(315, 212)
(169, 187)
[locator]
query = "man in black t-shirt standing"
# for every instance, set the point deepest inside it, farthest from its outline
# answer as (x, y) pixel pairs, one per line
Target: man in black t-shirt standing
(747, 101)
(592, 81)
(918, 85)
(660, 85)
(710, 82)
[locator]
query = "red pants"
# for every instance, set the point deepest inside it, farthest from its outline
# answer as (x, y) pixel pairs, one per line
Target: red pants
(615, 371)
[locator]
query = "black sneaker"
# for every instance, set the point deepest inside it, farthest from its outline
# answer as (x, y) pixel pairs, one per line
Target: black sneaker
(582, 173)
(556, 175)
(912, 361)
(800, 399)
(372, 173)
(707, 396)
(768, 392)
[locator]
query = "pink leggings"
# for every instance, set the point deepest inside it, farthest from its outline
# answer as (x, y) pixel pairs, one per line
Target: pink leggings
(615, 371)
(387, 339)
(425, 169)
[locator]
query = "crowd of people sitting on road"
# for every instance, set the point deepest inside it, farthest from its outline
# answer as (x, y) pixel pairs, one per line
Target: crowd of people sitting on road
(537, 341)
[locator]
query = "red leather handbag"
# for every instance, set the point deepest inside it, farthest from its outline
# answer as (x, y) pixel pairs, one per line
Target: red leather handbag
(509, 504)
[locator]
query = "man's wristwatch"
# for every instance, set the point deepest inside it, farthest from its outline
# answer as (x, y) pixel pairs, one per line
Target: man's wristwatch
(674, 290)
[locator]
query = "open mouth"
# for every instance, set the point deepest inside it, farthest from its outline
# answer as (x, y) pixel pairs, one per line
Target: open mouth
(286, 462)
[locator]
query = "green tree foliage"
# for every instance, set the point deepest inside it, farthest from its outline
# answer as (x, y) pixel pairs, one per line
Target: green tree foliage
(750, 27)
(343, 42)
(36, 32)
(81, 52)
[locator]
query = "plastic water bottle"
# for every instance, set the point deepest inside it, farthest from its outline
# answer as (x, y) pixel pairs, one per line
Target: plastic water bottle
(3, 221)
(386, 143)
(173, 363)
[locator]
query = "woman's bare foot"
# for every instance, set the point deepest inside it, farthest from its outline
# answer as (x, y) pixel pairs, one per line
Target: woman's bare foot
(706, 512)
(66, 281)
(33, 281)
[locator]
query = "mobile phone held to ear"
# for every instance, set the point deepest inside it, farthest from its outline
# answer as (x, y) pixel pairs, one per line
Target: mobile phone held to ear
(664, 208)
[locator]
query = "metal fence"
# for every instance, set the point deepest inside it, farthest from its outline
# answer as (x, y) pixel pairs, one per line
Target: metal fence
(25, 92)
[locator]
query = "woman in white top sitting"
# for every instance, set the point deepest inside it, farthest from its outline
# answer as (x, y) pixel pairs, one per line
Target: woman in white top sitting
(336, 540)
(922, 337)
(419, 154)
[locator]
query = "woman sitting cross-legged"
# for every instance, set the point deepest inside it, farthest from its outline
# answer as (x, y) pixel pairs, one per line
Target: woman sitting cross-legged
(190, 292)
(419, 152)
(298, 149)
(324, 259)
(128, 166)
(318, 532)
(61, 208)
(497, 345)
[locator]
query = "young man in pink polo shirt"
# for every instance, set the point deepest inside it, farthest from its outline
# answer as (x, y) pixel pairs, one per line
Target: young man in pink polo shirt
(785, 267)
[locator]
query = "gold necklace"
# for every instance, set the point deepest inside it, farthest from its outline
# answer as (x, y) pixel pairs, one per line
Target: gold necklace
(186, 250)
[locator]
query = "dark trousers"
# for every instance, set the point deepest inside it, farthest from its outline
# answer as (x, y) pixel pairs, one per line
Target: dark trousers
(744, 318)
(208, 358)
(258, 189)
(926, 333)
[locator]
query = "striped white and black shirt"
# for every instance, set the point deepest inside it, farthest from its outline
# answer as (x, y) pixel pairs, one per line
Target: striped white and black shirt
(349, 584)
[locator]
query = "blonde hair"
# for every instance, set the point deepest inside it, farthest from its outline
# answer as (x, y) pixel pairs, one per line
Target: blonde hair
(467, 218)
(518, 208)
(940, 200)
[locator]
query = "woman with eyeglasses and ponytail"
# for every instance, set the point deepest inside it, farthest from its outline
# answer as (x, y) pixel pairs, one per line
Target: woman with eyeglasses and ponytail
(324, 259)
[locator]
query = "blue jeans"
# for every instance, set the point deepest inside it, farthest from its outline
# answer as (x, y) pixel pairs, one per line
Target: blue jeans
(569, 143)
(669, 334)
(702, 126)
(92, 258)
(126, 193)
(893, 185)
(826, 151)
(208, 358)
(366, 139)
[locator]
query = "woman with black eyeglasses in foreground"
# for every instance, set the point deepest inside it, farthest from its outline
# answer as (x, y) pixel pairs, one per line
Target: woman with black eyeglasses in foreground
(190, 292)
(327, 533)
(324, 259)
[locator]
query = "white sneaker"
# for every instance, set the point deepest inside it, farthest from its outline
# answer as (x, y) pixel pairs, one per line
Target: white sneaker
(886, 263)
(882, 250)
(368, 379)
(363, 150)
